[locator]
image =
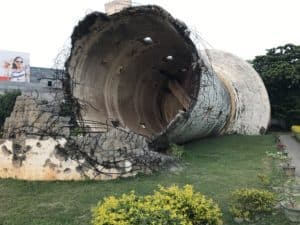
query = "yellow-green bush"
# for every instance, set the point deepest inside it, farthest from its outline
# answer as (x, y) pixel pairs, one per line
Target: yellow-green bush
(296, 131)
(167, 206)
(250, 202)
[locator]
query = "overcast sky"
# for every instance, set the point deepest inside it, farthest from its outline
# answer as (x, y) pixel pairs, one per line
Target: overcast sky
(243, 27)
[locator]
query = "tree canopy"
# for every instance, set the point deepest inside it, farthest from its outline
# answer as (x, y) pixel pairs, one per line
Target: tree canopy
(280, 71)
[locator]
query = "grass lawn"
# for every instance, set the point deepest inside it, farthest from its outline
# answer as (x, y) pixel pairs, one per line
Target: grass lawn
(215, 167)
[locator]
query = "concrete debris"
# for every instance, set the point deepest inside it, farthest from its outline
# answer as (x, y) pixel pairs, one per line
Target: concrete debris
(36, 117)
(43, 150)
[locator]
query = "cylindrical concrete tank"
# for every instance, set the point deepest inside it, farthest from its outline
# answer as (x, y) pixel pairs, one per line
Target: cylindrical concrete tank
(139, 69)
(250, 113)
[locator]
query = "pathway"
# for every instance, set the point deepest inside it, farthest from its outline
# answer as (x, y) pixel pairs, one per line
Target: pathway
(293, 148)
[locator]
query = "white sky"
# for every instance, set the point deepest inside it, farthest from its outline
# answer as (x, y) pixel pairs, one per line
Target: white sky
(243, 27)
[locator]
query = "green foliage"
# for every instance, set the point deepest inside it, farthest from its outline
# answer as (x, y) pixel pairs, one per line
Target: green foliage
(177, 150)
(280, 71)
(247, 203)
(278, 155)
(69, 108)
(264, 179)
(7, 102)
(76, 131)
(296, 130)
(166, 206)
(44, 102)
(66, 109)
(291, 193)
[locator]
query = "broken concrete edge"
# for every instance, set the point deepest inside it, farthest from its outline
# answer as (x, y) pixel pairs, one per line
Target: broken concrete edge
(32, 156)
(51, 160)
(86, 26)
(36, 117)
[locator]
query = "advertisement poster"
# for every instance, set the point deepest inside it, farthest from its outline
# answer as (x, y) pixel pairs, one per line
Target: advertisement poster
(14, 66)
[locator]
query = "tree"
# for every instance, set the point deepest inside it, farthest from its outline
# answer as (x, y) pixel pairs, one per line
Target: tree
(7, 102)
(280, 71)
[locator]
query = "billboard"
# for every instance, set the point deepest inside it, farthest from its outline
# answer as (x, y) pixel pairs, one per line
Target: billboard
(14, 66)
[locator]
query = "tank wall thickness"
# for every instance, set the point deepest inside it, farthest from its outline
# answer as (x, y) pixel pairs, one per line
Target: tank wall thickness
(208, 116)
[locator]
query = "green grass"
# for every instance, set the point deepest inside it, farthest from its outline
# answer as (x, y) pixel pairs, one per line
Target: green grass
(215, 167)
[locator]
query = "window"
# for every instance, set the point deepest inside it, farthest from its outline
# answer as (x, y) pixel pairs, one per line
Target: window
(49, 83)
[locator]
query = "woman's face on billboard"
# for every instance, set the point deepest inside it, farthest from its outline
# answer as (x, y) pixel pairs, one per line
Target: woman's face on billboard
(19, 62)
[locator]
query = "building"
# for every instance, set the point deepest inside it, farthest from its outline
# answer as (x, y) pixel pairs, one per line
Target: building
(50, 78)
(17, 74)
(44, 83)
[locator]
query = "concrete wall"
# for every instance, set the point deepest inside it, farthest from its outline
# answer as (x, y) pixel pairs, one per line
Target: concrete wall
(40, 163)
(51, 83)
(39, 146)
(43, 162)
(38, 73)
(37, 90)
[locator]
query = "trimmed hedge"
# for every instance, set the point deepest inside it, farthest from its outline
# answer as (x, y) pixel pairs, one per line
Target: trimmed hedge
(247, 203)
(296, 130)
(167, 206)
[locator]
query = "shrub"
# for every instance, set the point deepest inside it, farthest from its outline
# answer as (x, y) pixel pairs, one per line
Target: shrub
(76, 131)
(66, 109)
(7, 102)
(296, 131)
(177, 150)
(278, 155)
(249, 203)
(166, 206)
(290, 195)
(264, 179)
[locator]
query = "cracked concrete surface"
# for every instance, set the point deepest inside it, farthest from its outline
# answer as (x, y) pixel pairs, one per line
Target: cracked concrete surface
(43, 148)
